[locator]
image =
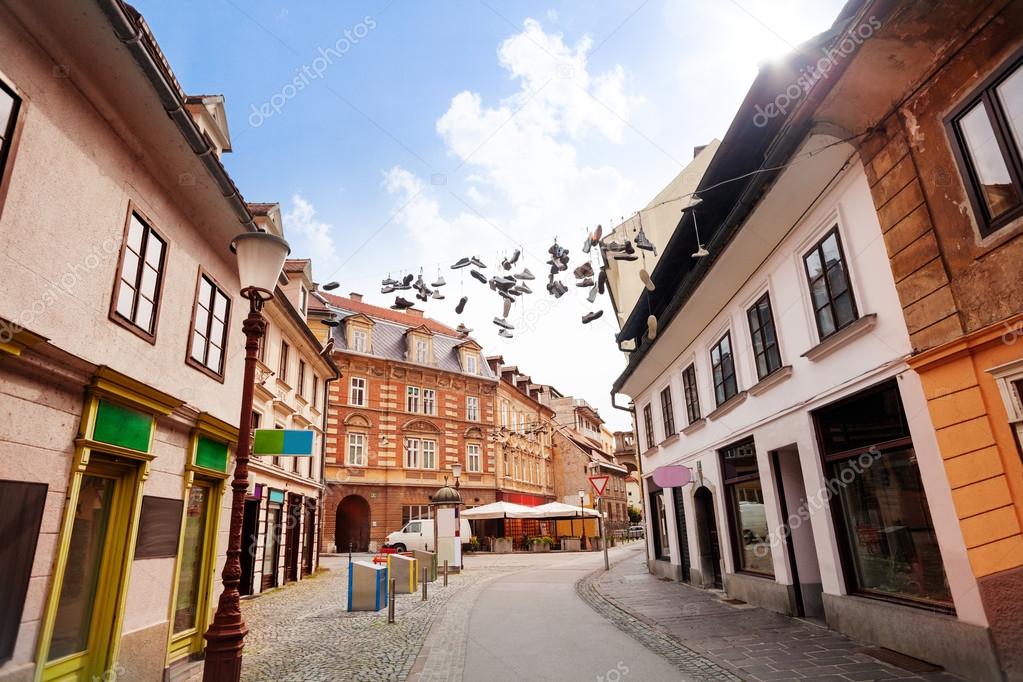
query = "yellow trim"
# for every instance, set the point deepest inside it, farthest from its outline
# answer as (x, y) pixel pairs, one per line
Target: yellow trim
(19, 340)
(110, 383)
(191, 468)
(217, 429)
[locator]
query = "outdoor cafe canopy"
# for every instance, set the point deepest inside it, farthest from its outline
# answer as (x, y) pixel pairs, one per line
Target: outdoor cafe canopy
(560, 510)
(499, 510)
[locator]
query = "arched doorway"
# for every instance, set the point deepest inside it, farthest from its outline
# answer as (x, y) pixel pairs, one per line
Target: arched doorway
(707, 532)
(352, 524)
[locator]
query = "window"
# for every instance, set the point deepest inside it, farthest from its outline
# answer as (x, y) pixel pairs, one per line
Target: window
(471, 364)
(410, 512)
(209, 327)
(303, 298)
(429, 401)
(765, 341)
(358, 340)
(357, 391)
(988, 132)
(9, 106)
(316, 391)
(429, 454)
(890, 549)
(137, 293)
(24, 502)
(256, 418)
(356, 452)
(411, 453)
(422, 352)
(301, 378)
(648, 426)
(667, 412)
(747, 516)
(722, 366)
(472, 408)
(504, 413)
(282, 366)
(264, 341)
(692, 394)
(412, 399)
(833, 305)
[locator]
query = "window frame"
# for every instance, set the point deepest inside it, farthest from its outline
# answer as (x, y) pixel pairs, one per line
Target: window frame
(818, 248)
(283, 361)
(118, 318)
(300, 387)
(734, 513)
(1012, 151)
(754, 309)
(431, 401)
(472, 408)
(357, 336)
(348, 449)
(191, 361)
(724, 380)
(413, 392)
(691, 394)
(648, 426)
(471, 364)
(406, 450)
(469, 456)
(667, 413)
(364, 389)
(422, 351)
(11, 135)
(423, 442)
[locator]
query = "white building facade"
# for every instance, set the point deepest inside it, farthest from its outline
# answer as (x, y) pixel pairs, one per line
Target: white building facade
(781, 384)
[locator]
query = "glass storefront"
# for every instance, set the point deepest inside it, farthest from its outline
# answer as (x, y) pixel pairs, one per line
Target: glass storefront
(891, 549)
(193, 550)
(747, 514)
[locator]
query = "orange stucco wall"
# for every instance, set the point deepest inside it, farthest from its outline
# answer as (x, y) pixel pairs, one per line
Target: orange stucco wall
(981, 458)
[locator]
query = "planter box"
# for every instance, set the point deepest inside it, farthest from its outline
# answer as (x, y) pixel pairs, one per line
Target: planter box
(539, 547)
(502, 545)
(570, 544)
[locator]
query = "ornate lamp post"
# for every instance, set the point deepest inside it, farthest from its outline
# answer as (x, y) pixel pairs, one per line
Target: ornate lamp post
(582, 534)
(260, 260)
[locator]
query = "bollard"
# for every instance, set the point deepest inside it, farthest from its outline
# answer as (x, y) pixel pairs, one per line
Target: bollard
(445, 573)
(426, 576)
(390, 601)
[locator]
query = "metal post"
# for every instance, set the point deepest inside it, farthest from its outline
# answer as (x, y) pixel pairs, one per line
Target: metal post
(390, 600)
(603, 531)
(445, 573)
(426, 574)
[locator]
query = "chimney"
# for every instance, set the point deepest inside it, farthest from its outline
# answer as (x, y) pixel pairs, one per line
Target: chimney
(357, 297)
(414, 312)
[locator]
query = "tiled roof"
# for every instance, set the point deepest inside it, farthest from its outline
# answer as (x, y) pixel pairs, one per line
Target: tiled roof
(295, 264)
(377, 312)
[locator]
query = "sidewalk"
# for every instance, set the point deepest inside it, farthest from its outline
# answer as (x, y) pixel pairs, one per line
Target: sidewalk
(751, 642)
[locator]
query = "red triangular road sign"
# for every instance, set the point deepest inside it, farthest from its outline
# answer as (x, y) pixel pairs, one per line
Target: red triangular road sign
(599, 483)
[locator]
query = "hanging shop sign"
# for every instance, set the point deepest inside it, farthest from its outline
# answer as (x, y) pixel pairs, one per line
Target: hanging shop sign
(283, 442)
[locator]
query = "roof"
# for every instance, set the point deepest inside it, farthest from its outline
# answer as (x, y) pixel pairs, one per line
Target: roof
(295, 264)
(379, 313)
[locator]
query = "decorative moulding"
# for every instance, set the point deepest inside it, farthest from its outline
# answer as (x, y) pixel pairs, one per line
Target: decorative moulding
(775, 377)
(695, 426)
(841, 338)
(729, 405)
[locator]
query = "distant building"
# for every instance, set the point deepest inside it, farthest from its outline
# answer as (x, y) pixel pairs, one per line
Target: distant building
(417, 397)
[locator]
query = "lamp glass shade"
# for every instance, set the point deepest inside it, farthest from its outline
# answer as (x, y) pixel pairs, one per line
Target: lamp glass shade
(456, 470)
(260, 259)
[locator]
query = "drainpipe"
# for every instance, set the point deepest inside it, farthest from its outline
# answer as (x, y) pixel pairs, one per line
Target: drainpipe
(631, 409)
(133, 39)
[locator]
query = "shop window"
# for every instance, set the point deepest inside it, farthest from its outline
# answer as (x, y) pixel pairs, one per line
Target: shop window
(747, 514)
(659, 527)
(692, 394)
(987, 131)
(765, 340)
(194, 564)
(890, 549)
(722, 365)
(24, 502)
(272, 544)
(834, 307)
(137, 292)
(210, 320)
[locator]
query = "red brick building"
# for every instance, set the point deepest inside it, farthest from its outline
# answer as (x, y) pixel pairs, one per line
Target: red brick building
(415, 398)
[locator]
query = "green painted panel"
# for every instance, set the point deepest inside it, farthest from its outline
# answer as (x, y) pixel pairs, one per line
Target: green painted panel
(211, 454)
(277, 496)
(122, 426)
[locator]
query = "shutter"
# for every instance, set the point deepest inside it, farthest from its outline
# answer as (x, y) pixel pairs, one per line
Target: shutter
(21, 514)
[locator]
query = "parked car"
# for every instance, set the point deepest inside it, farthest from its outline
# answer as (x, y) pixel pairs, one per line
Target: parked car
(637, 531)
(418, 534)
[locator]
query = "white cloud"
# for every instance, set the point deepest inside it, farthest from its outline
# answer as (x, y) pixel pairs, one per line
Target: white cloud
(310, 237)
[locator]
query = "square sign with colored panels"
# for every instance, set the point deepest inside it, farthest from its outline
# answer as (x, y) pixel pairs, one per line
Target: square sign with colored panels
(283, 442)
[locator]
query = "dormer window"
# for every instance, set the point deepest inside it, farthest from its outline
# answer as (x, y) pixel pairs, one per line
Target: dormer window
(471, 364)
(422, 352)
(358, 341)
(359, 333)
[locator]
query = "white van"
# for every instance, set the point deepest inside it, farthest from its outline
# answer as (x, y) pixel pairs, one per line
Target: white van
(418, 534)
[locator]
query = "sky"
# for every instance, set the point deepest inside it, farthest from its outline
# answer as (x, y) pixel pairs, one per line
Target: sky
(401, 136)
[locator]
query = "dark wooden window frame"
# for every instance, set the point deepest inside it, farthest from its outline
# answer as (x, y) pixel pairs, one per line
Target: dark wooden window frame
(116, 317)
(667, 412)
(758, 333)
(1011, 153)
(734, 529)
(11, 135)
(300, 389)
(17, 536)
(724, 377)
(648, 425)
(691, 392)
(819, 250)
(283, 360)
(218, 375)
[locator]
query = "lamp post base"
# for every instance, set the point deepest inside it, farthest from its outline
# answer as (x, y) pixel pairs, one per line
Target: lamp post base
(224, 655)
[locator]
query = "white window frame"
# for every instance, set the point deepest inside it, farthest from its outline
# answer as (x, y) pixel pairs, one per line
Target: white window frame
(428, 454)
(411, 457)
(429, 401)
(472, 408)
(422, 352)
(355, 449)
(412, 394)
(473, 450)
(362, 391)
(471, 366)
(1008, 377)
(359, 340)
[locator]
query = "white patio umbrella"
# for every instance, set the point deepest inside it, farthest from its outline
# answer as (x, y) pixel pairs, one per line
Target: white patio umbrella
(560, 510)
(499, 510)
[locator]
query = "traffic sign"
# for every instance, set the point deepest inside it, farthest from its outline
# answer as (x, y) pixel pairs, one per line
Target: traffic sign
(599, 483)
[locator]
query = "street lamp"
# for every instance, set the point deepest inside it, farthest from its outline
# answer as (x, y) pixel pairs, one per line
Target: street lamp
(456, 471)
(260, 261)
(582, 534)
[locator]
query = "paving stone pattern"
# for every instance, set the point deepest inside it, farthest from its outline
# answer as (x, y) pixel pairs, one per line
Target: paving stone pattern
(689, 625)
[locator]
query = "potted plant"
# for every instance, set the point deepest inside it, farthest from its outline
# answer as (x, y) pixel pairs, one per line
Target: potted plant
(502, 545)
(542, 543)
(474, 544)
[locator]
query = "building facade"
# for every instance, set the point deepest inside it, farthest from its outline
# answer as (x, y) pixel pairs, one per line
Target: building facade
(785, 372)
(417, 397)
(120, 355)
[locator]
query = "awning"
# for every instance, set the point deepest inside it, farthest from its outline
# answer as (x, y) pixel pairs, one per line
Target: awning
(499, 510)
(560, 510)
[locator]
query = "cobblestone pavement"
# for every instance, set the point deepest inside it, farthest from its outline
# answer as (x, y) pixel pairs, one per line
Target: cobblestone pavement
(688, 625)
(302, 632)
